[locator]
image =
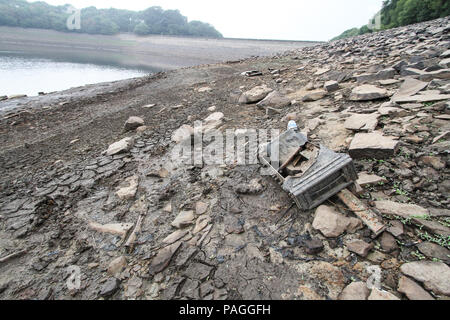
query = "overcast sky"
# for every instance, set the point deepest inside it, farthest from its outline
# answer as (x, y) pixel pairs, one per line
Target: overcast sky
(261, 19)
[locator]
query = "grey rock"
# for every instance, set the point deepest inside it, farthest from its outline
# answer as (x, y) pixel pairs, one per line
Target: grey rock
(412, 289)
(388, 242)
(355, 291)
(372, 145)
(133, 123)
(377, 294)
(362, 122)
(184, 219)
(331, 86)
(331, 223)
(109, 287)
(314, 96)
(255, 95)
(434, 275)
(409, 87)
(121, 146)
(433, 250)
(313, 246)
(163, 257)
(367, 92)
(360, 247)
(400, 209)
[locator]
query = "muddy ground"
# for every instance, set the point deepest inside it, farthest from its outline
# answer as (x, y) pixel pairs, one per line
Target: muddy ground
(58, 185)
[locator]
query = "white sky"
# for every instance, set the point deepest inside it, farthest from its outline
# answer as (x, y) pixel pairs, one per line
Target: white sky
(262, 19)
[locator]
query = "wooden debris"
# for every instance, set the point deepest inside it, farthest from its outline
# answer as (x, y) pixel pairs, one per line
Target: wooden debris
(12, 256)
(365, 214)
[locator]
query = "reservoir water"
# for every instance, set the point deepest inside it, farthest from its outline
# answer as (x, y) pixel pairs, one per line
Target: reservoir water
(29, 75)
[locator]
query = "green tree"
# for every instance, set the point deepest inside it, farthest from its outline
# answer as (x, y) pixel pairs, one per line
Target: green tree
(142, 29)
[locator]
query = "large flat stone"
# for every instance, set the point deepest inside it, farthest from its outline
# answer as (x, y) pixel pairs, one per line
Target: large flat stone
(400, 209)
(372, 145)
(412, 290)
(367, 92)
(365, 179)
(362, 122)
(433, 250)
(435, 276)
(409, 87)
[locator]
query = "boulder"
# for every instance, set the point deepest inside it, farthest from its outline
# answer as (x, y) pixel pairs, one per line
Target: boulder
(331, 223)
(367, 92)
(412, 289)
(133, 123)
(121, 146)
(395, 228)
(434, 275)
(372, 145)
(360, 247)
(255, 95)
(355, 291)
(184, 219)
(274, 100)
(213, 121)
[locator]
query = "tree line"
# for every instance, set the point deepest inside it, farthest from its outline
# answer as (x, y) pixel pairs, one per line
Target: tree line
(154, 20)
(396, 13)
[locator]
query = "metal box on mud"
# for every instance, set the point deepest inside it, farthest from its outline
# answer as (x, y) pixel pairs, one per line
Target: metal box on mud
(311, 174)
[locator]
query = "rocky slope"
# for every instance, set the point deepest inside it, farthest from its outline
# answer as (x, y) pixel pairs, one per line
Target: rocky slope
(86, 190)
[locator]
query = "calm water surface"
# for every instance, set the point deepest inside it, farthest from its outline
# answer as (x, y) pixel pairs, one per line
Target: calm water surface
(27, 75)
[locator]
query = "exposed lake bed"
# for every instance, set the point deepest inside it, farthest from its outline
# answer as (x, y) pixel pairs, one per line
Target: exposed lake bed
(34, 60)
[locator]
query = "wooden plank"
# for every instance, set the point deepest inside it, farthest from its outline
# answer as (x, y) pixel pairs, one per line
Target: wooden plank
(360, 209)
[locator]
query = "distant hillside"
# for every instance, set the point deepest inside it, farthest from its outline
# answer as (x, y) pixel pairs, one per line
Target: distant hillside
(154, 20)
(396, 13)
